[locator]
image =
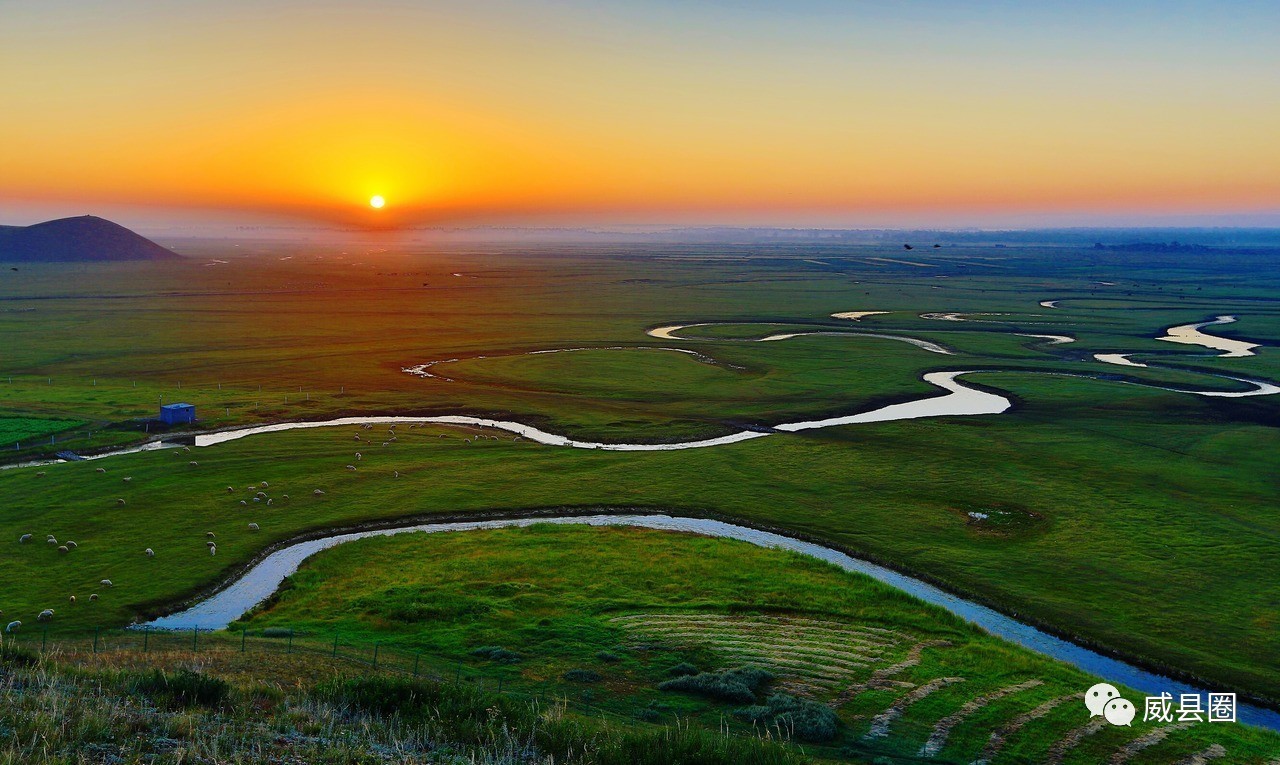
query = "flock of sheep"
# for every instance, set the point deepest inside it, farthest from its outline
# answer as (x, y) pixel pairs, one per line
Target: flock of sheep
(260, 495)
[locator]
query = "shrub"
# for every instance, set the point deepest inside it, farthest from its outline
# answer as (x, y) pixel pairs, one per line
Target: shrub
(803, 719)
(737, 685)
(682, 669)
(608, 657)
(497, 653)
(14, 656)
(583, 676)
(183, 688)
(276, 632)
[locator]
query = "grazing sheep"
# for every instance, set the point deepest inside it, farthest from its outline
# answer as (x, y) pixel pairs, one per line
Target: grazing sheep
(385, 443)
(468, 440)
(243, 502)
(45, 615)
(358, 437)
(397, 474)
(257, 499)
(231, 490)
(127, 478)
(263, 484)
(13, 627)
(38, 475)
(213, 549)
(100, 470)
(149, 553)
(93, 597)
(351, 467)
(253, 527)
(210, 534)
(284, 496)
(52, 541)
(358, 456)
(120, 501)
(73, 600)
(261, 495)
(106, 583)
(194, 463)
(62, 549)
(210, 544)
(268, 501)
(251, 488)
(72, 545)
(186, 448)
(22, 540)
(318, 493)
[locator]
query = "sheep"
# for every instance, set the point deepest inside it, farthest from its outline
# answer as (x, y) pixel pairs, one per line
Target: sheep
(210, 534)
(385, 443)
(231, 490)
(261, 495)
(38, 475)
(73, 600)
(210, 543)
(268, 501)
(284, 496)
(397, 473)
(351, 467)
(22, 540)
(358, 437)
(127, 478)
(51, 540)
(62, 550)
(250, 488)
(13, 626)
(194, 463)
(243, 502)
(186, 448)
(106, 583)
(45, 615)
(264, 484)
(100, 470)
(149, 553)
(318, 493)
(358, 456)
(72, 545)
(213, 549)
(257, 499)
(93, 597)
(120, 501)
(253, 527)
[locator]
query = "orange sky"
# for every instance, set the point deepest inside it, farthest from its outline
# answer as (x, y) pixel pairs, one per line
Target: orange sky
(495, 110)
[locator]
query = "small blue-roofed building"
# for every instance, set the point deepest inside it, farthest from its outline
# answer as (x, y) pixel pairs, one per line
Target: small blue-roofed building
(177, 414)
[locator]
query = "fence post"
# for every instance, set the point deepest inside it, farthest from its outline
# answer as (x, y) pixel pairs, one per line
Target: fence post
(195, 638)
(146, 638)
(375, 655)
(96, 631)
(289, 648)
(244, 634)
(416, 657)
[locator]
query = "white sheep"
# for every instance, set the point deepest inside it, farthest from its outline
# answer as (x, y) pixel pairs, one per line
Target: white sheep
(397, 473)
(213, 549)
(106, 583)
(268, 500)
(38, 475)
(243, 502)
(264, 484)
(194, 463)
(231, 489)
(186, 448)
(73, 600)
(62, 550)
(257, 499)
(13, 626)
(261, 495)
(210, 543)
(100, 470)
(120, 501)
(45, 615)
(318, 493)
(358, 437)
(351, 467)
(284, 496)
(210, 534)
(93, 597)
(149, 553)
(22, 540)
(253, 527)
(127, 478)
(72, 545)
(51, 540)
(358, 456)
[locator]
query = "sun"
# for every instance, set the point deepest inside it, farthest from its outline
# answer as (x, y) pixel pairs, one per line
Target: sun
(376, 202)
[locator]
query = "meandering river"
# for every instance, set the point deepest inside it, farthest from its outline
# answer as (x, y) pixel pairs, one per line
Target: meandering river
(264, 578)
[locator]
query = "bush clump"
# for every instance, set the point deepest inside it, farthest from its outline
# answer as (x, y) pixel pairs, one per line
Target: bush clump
(682, 669)
(183, 688)
(608, 657)
(583, 676)
(277, 632)
(801, 719)
(497, 653)
(738, 685)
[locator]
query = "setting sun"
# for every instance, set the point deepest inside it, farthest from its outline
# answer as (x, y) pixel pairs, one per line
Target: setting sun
(377, 202)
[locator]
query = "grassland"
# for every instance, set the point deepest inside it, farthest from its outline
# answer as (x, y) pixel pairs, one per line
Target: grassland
(1150, 526)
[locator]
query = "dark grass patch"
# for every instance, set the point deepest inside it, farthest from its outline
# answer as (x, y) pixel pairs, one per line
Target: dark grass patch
(738, 685)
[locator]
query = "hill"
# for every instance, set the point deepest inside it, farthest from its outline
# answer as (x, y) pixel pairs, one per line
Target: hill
(83, 239)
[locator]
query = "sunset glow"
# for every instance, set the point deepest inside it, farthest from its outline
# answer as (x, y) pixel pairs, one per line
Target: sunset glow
(626, 111)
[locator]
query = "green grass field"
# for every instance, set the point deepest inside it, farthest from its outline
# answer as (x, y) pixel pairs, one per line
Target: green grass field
(1146, 518)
